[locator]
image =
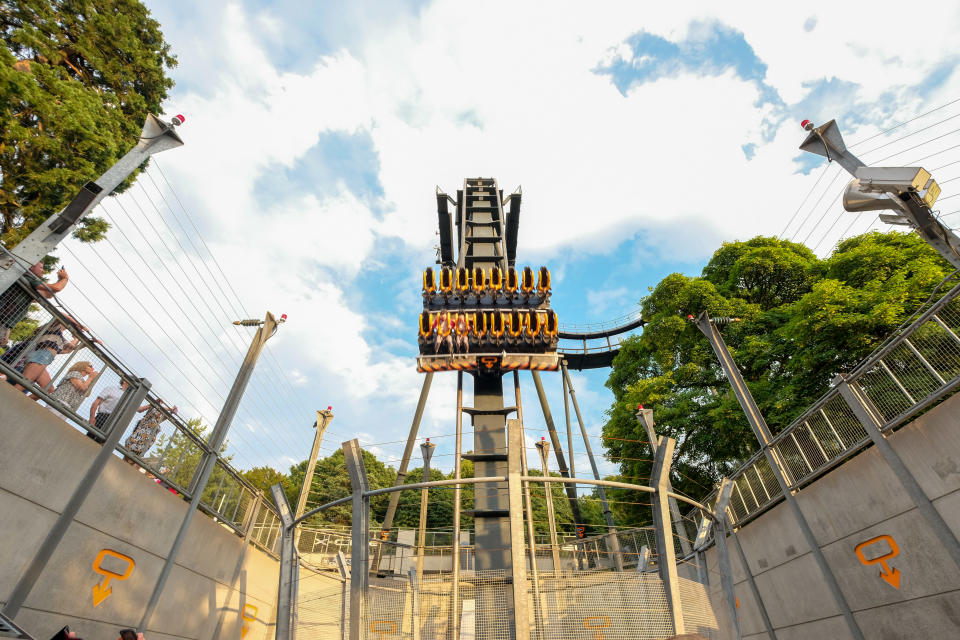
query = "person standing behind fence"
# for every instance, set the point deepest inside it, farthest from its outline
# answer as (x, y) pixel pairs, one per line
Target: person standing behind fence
(106, 401)
(145, 433)
(14, 302)
(72, 389)
(52, 342)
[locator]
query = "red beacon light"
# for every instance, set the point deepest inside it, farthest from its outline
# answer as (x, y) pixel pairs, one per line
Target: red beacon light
(807, 125)
(329, 408)
(689, 316)
(178, 120)
(428, 439)
(283, 317)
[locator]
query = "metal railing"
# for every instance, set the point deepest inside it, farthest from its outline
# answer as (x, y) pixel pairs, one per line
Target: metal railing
(174, 457)
(914, 369)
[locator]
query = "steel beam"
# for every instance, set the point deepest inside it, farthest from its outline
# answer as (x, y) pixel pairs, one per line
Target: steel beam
(407, 452)
(666, 555)
(518, 560)
(359, 549)
(723, 556)
(613, 538)
(288, 564)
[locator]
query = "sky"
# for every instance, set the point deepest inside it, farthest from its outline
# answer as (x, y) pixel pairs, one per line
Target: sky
(316, 133)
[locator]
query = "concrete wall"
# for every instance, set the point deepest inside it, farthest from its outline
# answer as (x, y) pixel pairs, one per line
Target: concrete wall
(41, 460)
(858, 502)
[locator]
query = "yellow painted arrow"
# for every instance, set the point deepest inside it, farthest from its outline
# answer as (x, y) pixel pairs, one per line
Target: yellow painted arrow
(101, 592)
(892, 578)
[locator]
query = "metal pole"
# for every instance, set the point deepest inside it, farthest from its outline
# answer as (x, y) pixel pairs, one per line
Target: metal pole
(723, 556)
(855, 399)
(763, 435)
(455, 587)
(566, 417)
(646, 419)
(427, 450)
(544, 448)
(217, 436)
(122, 415)
(156, 136)
(414, 605)
(521, 620)
(666, 556)
(345, 579)
(288, 559)
(324, 418)
(612, 536)
(558, 451)
(407, 452)
(528, 505)
(359, 550)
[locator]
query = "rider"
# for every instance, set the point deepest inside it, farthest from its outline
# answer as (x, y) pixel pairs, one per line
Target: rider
(461, 333)
(443, 326)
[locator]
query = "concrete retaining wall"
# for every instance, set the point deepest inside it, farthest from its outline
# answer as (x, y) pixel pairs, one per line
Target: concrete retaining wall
(129, 516)
(859, 502)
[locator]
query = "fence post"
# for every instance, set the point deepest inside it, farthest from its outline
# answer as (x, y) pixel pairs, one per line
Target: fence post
(345, 579)
(287, 564)
(854, 398)
(122, 415)
(543, 447)
(780, 472)
(518, 554)
(723, 556)
(666, 554)
(359, 550)
(414, 604)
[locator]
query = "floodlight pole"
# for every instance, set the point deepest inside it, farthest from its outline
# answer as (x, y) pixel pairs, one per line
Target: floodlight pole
(908, 191)
(427, 450)
(267, 328)
(324, 418)
(155, 137)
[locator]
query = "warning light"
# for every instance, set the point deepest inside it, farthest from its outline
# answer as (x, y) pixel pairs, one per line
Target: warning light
(329, 408)
(689, 316)
(428, 439)
(542, 438)
(807, 125)
(178, 120)
(283, 317)
(639, 407)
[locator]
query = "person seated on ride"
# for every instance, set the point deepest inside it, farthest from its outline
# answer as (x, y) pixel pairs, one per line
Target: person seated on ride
(443, 326)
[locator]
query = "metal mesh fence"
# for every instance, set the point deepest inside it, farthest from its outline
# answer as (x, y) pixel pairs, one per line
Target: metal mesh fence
(912, 370)
(167, 448)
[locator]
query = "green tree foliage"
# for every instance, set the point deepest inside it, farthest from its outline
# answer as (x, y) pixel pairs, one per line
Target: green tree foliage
(331, 481)
(803, 320)
(77, 79)
(265, 477)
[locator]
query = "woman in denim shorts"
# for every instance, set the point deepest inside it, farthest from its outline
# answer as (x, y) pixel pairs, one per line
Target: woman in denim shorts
(52, 343)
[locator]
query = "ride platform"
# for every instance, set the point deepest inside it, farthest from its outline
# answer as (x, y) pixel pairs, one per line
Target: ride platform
(488, 363)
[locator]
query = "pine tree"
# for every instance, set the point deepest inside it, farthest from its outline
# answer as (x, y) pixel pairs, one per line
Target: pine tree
(77, 80)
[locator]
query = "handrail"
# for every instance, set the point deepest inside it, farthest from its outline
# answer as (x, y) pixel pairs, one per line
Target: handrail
(231, 497)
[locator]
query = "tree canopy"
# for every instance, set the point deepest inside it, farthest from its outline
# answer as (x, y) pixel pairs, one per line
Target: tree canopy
(802, 321)
(77, 79)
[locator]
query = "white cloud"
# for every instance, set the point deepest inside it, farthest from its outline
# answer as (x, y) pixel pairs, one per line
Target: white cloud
(441, 99)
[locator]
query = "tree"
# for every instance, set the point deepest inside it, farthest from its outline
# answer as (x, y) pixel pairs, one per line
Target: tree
(331, 481)
(802, 320)
(77, 80)
(265, 477)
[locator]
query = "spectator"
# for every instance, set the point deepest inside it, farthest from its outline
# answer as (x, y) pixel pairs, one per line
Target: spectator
(14, 302)
(106, 402)
(52, 342)
(72, 389)
(145, 433)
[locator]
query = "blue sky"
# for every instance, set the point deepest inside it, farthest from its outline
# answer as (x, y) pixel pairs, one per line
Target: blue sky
(642, 137)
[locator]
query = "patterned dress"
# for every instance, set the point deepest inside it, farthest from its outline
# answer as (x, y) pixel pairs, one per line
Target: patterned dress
(67, 393)
(145, 433)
